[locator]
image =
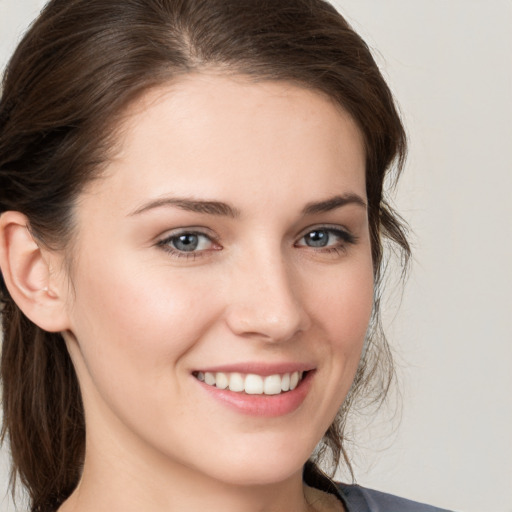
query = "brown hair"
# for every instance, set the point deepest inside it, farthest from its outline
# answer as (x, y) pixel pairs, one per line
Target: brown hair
(65, 88)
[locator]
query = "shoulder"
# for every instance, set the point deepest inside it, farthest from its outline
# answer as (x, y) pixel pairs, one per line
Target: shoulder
(360, 499)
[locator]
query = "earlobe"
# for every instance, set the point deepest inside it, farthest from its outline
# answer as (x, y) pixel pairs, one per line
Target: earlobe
(27, 272)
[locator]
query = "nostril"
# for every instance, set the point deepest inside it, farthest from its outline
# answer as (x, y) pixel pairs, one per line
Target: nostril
(256, 323)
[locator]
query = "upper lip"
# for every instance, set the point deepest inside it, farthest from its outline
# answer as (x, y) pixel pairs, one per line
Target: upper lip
(263, 369)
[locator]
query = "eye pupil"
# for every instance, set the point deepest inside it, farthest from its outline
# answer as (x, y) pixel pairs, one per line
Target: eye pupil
(317, 238)
(186, 242)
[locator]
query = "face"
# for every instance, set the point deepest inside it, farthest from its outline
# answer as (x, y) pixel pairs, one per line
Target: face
(224, 255)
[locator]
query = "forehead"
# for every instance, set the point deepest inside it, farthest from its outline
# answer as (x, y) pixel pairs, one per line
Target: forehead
(207, 133)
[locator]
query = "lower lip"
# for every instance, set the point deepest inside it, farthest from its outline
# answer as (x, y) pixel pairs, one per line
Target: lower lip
(268, 406)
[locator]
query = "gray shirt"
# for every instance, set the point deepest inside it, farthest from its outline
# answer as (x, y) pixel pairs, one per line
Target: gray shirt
(359, 499)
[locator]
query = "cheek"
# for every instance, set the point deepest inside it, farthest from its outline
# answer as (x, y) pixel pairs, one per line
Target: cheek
(139, 322)
(134, 333)
(343, 310)
(346, 303)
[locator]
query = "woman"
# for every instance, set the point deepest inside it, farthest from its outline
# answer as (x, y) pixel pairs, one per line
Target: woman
(191, 241)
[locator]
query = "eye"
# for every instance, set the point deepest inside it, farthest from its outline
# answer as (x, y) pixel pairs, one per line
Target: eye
(187, 243)
(326, 238)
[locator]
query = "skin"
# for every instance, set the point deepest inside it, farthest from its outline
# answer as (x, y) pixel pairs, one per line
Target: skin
(138, 319)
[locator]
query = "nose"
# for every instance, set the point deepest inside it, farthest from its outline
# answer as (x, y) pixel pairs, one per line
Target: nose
(265, 301)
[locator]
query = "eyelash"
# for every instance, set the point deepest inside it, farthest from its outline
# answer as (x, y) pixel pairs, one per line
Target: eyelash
(165, 244)
(345, 237)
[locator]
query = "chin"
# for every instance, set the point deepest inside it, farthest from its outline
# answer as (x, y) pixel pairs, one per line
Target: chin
(250, 475)
(255, 466)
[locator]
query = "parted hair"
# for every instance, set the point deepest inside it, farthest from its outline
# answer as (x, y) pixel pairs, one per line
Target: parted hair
(64, 92)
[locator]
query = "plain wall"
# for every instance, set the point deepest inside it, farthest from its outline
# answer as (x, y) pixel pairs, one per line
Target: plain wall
(449, 64)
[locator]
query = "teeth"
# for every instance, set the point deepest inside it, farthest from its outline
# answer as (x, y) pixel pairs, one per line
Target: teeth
(251, 383)
(221, 380)
(272, 385)
(285, 382)
(236, 382)
(294, 380)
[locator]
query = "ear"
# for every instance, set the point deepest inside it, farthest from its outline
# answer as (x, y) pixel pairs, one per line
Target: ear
(32, 274)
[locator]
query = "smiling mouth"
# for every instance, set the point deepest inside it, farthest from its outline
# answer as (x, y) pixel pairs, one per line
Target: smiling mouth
(252, 384)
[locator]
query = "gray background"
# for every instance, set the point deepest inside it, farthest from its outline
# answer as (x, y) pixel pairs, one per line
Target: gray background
(449, 64)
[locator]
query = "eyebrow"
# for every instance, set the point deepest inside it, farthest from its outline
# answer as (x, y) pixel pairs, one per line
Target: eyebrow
(224, 209)
(333, 203)
(191, 205)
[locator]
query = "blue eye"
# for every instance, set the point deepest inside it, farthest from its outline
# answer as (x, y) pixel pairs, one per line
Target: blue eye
(317, 238)
(328, 238)
(187, 242)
